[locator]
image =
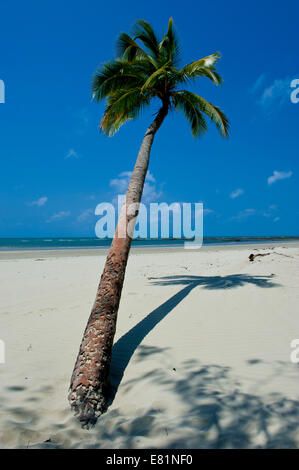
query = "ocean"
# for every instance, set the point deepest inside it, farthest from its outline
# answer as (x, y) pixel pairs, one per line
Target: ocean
(7, 244)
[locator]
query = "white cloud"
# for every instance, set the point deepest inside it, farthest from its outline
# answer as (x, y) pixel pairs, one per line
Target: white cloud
(244, 214)
(278, 92)
(150, 177)
(258, 83)
(39, 202)
(58, 216)
(120, 184)
(279, 175)
(72, 154)
(85, 215)
(271, 211)
(150, 192)
(236, 193)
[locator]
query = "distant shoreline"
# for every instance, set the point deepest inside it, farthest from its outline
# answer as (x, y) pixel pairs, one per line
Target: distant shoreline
(42, 254)
(82, 243)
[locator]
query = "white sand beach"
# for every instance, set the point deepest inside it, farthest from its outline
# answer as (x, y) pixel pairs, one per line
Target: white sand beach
(201, 356)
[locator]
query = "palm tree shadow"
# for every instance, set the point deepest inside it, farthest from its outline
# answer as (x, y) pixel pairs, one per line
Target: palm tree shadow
(125, 347)
(216, 282)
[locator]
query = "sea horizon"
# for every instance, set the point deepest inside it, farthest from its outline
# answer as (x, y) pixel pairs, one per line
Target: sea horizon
(64, 243)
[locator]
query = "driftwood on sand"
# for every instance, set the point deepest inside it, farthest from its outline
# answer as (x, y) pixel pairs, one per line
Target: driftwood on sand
(252, 256)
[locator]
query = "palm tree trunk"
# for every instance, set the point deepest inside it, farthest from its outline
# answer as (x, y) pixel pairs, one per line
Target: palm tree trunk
(89, 382)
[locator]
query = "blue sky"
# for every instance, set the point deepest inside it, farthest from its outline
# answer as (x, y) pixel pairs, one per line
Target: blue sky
(56, 167)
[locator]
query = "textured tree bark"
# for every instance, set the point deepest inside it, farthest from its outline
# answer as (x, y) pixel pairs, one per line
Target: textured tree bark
(89, 382)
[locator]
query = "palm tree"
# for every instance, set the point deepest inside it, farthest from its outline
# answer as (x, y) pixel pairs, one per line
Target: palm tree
(145, 68)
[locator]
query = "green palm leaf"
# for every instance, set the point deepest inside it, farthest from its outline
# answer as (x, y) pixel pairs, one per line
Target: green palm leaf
(144, 32)
(184, 103)
(146, 68)
(122, 106)
(129, 49)
(202, 68)
(213, 112)
(114, 75)
(169, 46)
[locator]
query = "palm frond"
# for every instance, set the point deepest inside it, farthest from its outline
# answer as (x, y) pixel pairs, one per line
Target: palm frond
(155, 78)
(169, 47)
(114, 75)
(213, 112)
(146, 68)
(182, 102)
(201, 68)
(145, 33)
(122, 105)
(128, 48)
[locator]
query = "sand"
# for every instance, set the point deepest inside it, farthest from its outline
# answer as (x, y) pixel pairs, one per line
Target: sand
(201, 356)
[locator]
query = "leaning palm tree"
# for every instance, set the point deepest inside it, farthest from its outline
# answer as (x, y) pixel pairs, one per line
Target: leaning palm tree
(145, 69)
